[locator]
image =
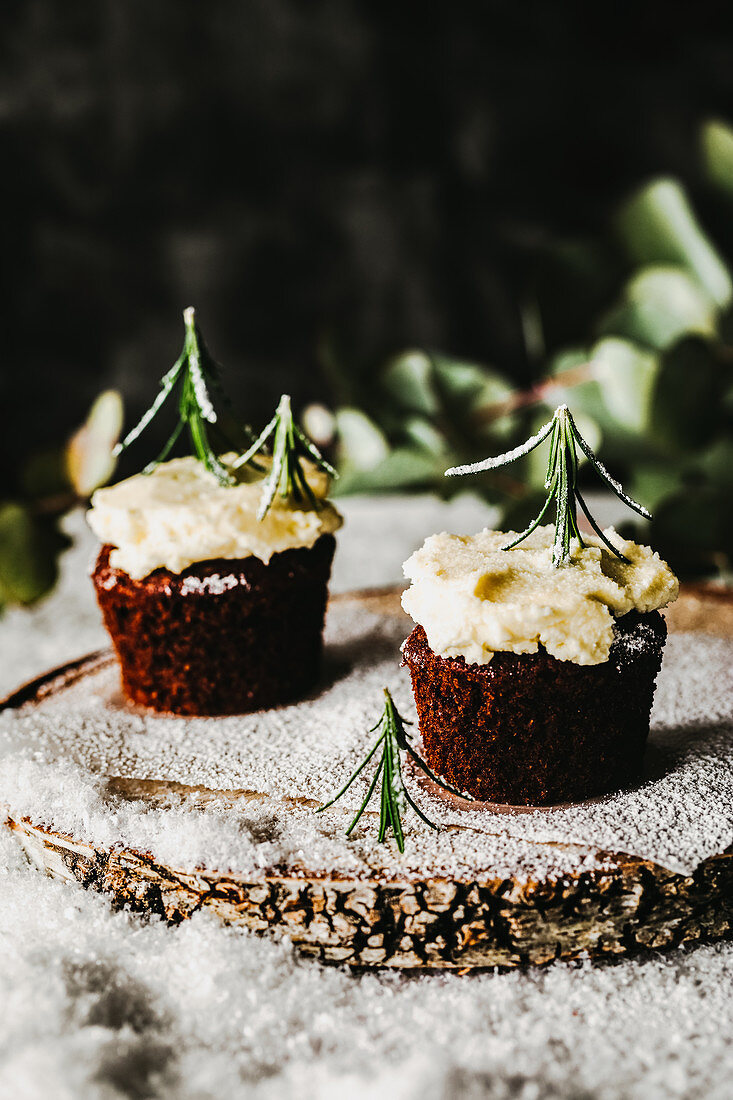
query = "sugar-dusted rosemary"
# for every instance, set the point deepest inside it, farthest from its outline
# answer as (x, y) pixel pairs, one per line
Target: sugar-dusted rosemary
(561, 482)
(289, 447)
(195, 375)
(393, 739)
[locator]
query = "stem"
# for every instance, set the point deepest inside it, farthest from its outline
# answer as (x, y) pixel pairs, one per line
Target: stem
(535, 395)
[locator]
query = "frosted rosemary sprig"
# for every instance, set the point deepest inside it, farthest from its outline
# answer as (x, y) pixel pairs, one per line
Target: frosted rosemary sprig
(393, 739)
(289, 447)
(561, 482)
(195, 375)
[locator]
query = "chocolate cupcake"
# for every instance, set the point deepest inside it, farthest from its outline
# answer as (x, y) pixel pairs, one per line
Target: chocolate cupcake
(534, 684)
(212, 610)
(213, 574)
(536, 653)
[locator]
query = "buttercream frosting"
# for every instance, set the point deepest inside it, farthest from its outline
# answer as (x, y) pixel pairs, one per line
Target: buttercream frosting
(474, 599)
(179, 514)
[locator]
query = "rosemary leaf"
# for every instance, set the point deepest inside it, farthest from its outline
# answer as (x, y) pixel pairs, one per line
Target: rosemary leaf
(394, 797)
(561, 482)
(195, 374)
(502, 460)
(167, 384)
(286, 476)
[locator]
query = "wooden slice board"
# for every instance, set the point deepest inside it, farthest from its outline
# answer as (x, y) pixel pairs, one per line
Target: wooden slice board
(411, 913)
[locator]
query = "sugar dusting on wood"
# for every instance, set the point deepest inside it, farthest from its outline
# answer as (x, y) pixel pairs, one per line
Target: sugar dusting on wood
(57, 758)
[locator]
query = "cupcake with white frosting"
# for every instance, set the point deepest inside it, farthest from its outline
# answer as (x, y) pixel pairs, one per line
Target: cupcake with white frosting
(535, 654)
(213, 573)
(534, 685)
(211, 610)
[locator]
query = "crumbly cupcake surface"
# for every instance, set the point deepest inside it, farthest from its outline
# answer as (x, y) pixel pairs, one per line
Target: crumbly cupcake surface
(179, 514)
(474, 599)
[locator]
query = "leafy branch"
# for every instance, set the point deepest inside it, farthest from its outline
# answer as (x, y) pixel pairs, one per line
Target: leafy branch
(196, 376)
(289, 447)
(561, 482)
(393, 739)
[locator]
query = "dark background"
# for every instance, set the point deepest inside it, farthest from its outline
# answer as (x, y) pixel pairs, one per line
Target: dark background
(325, 178)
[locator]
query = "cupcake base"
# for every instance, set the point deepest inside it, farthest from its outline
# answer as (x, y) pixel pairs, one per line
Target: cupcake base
(528, 729)
(223, 636)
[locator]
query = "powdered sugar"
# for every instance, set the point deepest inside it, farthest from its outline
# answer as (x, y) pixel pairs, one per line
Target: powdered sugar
(57, 759)
(99, 1004)
(214, 585)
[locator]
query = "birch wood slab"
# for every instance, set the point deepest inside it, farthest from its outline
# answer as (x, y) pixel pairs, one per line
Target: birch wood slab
(611, 904)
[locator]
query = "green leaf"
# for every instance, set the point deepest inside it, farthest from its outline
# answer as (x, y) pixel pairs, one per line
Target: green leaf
(468, 385)
(88, 457)
(571, 372)
(408, 380)
(715, 464)
(653, 483)
(660, 305)
(29, 547)
(362, 444)
(687, 397)
(717, 154)
(625, 376)
(658, 226)
(424, 435)
(403, 468)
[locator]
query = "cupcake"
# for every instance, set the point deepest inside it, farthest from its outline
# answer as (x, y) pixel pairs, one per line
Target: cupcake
(213, 572)
(534, 656)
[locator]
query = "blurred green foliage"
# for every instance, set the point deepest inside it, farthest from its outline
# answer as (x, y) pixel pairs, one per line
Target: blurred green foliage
(50, 484)
(650, 379)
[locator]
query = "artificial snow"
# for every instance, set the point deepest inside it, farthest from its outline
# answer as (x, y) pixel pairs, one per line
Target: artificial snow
(97, 1004)
(57, 756)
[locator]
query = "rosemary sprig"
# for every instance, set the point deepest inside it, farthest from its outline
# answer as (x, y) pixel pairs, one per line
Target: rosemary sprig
(561, 482)
(394, 799)
(289, 447)
(196, 376)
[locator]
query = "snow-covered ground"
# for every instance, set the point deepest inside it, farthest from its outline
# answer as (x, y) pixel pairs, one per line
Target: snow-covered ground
(101, 1004)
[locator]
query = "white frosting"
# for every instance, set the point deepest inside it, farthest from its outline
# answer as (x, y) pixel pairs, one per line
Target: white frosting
(179, 514)
(474, 599)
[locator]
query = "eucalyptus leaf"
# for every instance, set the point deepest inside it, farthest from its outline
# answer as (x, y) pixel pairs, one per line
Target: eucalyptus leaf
(687, 397)
(625, 376)
(469, 385)
(89, 457)
(403, 468)
(657, 225)
(654, 482)
(29, 547)
(408, 380)
(424, 435)
(715, 464)
(573, 382)
(717, 154)
(660, 305)
(362, 444)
